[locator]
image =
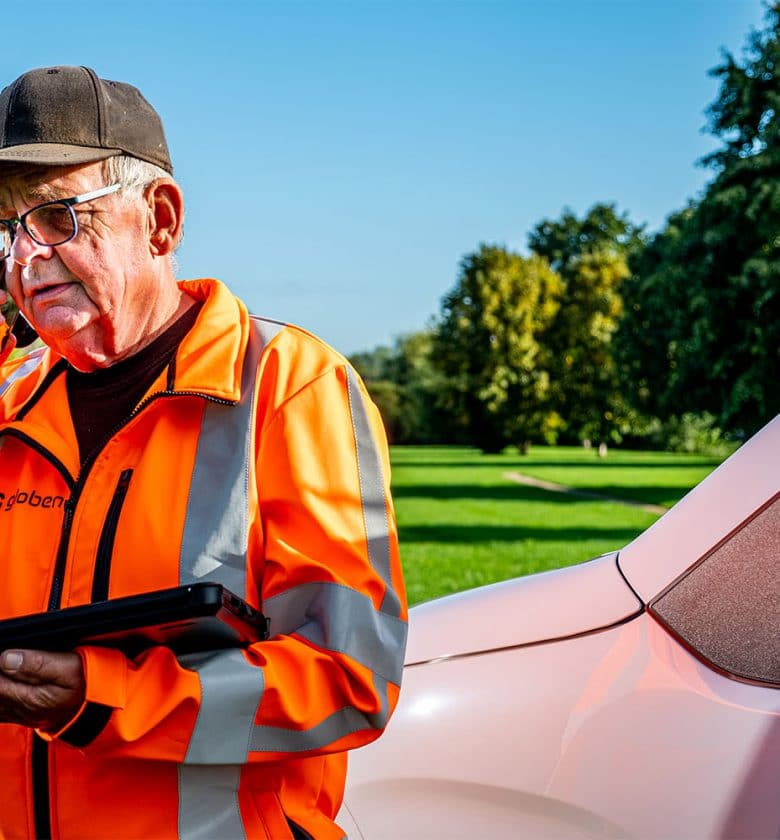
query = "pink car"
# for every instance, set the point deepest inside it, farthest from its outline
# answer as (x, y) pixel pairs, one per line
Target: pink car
(636, 695)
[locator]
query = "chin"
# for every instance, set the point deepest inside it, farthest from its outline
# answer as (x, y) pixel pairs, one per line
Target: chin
(78, 346)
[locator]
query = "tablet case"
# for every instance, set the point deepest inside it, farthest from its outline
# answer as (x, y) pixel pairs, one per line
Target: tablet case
(197, 617)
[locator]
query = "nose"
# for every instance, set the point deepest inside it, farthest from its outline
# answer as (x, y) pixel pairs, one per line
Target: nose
(24, 248)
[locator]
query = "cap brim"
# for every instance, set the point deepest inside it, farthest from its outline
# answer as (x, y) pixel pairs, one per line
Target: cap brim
(54, 154)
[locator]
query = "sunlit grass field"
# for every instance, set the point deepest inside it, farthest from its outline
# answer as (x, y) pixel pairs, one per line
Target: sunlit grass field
(462, 523)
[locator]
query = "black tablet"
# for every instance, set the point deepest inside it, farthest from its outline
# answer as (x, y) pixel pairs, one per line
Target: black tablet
(200, 616)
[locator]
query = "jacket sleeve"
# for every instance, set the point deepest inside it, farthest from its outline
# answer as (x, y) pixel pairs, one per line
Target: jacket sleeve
(332, 580)
(324, 559)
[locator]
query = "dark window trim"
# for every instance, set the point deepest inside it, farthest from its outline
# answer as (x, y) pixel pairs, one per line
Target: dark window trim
(692, 568)
(713, 666)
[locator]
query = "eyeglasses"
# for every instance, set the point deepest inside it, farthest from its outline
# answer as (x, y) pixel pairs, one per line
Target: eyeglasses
(50, 223)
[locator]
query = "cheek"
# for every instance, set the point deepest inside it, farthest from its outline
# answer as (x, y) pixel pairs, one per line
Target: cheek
(90, 268)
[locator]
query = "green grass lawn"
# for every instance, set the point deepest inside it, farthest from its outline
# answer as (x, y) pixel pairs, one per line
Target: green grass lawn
(462, 523)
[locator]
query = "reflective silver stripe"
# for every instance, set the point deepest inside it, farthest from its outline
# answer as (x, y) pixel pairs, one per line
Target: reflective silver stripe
(335, 617)
(26, 367)
(266, 329)
(208, 803)
(214, 545)
(231, 689)
(332, 616)
(372, 493)
(214, 542)
(341, 723)
(383, 715)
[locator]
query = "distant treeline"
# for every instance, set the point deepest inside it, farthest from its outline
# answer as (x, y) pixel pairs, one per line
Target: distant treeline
(605, 333)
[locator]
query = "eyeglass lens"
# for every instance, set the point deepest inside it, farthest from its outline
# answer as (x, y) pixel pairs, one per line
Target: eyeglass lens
(49, 224)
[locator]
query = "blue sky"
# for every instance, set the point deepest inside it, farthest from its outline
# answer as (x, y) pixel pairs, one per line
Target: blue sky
(340, 158)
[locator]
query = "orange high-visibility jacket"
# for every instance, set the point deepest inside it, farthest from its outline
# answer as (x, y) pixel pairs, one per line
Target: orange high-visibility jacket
(256, 460)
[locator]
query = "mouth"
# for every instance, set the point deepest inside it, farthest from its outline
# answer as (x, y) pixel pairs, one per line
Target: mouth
(43, 293)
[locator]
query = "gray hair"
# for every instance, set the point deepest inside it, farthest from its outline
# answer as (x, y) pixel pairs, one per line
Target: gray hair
(134, 174)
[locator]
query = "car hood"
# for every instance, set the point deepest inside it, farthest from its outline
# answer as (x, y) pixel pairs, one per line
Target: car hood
(527, 610)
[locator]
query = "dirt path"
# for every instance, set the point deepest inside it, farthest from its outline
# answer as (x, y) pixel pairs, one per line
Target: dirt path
(519, 478)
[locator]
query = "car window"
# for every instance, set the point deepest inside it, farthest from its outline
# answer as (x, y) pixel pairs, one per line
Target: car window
(726, 608)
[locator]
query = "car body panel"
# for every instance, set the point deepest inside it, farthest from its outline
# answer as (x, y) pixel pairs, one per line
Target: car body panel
(707, 514)
(549, 605)
(558, 706)
(348, 825)
(551, 754)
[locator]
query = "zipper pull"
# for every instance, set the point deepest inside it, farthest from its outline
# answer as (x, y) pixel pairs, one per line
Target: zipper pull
(55, 596)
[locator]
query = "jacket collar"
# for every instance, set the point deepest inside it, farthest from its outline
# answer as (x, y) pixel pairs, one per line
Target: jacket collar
(208, 360)
(210, 356)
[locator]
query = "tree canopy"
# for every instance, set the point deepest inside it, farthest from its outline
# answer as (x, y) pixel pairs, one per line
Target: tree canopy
(604, 332)
(591, 255)
(703, 326)
(487, 347)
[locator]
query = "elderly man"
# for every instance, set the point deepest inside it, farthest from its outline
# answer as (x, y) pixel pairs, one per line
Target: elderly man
(177, 439)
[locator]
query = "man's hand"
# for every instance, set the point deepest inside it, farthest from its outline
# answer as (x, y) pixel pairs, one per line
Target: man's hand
(40, 689)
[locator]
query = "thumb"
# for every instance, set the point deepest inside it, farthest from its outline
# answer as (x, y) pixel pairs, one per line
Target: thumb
(11, 661)
(36, 667)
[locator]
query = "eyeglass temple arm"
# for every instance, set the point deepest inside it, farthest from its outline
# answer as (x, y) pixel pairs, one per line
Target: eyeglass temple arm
(78, 199)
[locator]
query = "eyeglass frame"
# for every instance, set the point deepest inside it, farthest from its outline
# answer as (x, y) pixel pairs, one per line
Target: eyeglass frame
(10, 224)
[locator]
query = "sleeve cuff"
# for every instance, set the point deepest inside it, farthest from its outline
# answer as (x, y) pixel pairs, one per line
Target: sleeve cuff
(105, 674)
(87, 726)
(81, 731)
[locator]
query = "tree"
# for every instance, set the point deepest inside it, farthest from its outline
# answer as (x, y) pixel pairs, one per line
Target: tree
(406, 388)
(746, 113)
(495, 370)
(568, 238)
(655, 312)
(374, 365)
(703, 324)
(423, 419)
(591, 255)
(736, 232)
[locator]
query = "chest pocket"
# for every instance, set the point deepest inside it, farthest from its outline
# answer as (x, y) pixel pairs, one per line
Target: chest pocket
(33, 495)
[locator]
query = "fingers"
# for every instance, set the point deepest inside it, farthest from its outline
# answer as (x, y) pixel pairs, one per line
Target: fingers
(40, 689)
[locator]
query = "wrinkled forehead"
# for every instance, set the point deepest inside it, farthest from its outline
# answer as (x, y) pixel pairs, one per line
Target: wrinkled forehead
(25, 184)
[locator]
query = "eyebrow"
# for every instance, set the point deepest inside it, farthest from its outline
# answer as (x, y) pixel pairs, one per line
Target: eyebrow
(35, 190)
(42, 192)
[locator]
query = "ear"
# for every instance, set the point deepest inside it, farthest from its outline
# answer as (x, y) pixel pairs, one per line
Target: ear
(166, 214)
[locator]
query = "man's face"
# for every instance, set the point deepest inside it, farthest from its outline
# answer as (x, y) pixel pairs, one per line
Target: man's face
(89, 298)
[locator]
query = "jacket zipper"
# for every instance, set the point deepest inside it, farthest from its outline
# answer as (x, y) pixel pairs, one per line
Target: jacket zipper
(40, 753)
(105, 551)
(39, 757)
(55, 594)
(40, 748)
(40, 779)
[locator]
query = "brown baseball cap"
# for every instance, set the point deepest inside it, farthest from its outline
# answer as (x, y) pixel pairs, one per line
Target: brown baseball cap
(57, 116)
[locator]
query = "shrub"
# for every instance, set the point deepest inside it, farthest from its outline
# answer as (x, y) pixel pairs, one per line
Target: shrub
(695, 433)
